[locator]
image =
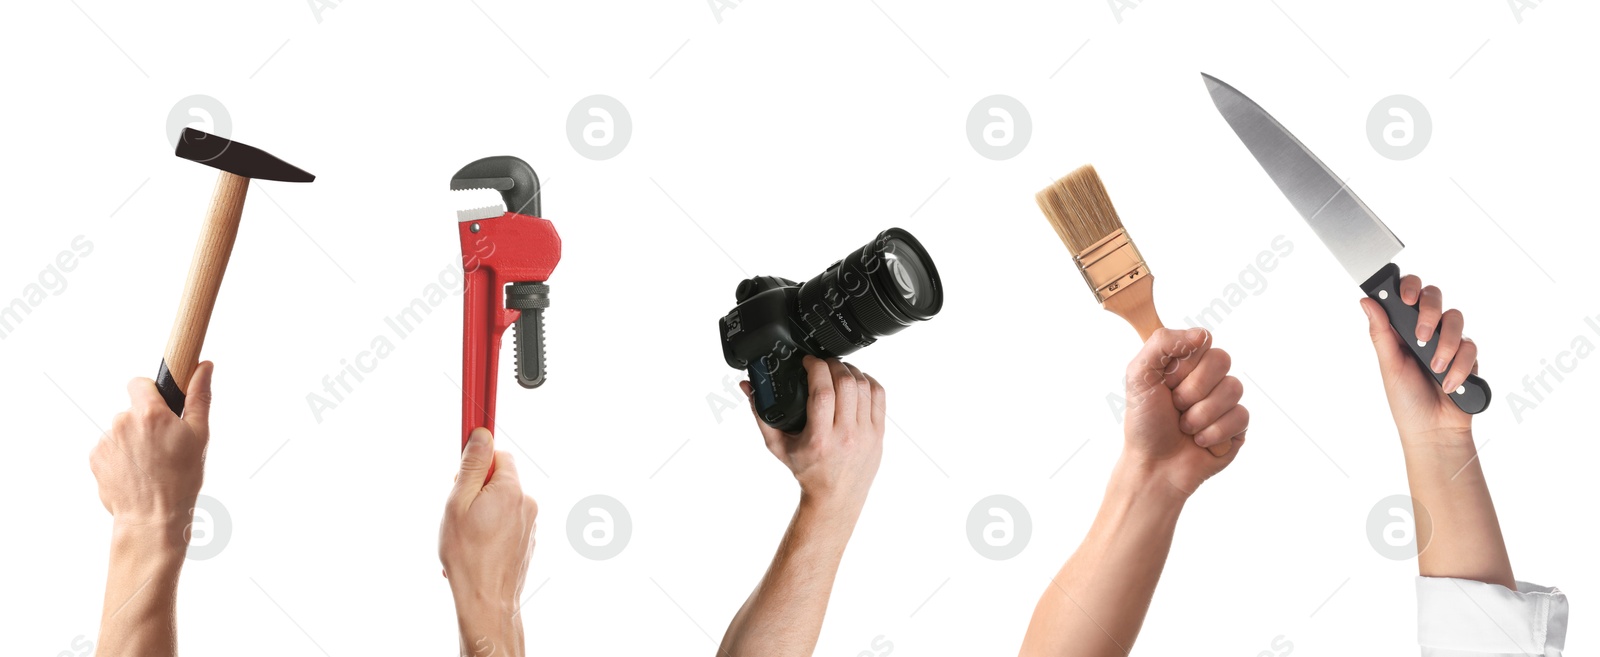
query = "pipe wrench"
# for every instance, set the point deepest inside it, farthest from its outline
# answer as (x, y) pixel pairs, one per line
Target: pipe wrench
(507, 254)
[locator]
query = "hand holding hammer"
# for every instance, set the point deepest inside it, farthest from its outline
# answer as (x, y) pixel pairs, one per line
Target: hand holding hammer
(238, 163)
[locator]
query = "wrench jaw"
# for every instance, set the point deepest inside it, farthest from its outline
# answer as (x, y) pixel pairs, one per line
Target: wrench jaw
(479, 214)
(506, 257)
(514, 179)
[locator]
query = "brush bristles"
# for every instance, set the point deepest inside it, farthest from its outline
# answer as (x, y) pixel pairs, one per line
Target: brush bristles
(1079, 208)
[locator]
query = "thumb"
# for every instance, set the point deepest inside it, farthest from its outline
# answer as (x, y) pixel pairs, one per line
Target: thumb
(476, 458)
(197, 401)
(1165, 360)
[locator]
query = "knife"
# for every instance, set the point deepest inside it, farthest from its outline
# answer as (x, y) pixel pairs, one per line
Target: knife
(1357, 238)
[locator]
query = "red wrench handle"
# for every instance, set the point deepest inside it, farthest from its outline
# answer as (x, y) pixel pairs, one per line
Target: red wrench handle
(511, 248)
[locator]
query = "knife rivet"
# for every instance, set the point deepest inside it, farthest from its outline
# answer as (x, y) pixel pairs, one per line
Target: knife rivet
(1383, 294)
(1460, 389)
(474, 227)
(1422, 343)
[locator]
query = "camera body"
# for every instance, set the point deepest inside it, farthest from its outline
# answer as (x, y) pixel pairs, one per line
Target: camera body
(877, 290)
(765, 336)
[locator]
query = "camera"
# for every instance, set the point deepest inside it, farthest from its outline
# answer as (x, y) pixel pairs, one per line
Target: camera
(875, 291)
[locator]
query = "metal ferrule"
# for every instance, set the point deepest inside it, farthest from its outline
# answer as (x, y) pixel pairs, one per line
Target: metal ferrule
(1111, 264)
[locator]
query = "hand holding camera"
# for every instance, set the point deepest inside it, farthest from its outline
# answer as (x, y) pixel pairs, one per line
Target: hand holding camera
(877, 290)
(836, 455)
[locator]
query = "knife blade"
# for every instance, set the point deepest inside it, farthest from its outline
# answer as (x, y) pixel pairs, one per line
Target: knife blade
(1356, 237)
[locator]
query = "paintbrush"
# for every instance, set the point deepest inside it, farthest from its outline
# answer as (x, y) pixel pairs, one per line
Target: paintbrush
(1079, 208)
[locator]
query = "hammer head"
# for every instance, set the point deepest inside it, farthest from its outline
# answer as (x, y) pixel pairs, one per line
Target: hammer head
(239, 159)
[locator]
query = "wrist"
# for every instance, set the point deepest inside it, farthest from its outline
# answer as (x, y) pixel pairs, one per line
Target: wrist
(162, 542)
(1139, 483)
(823, 524)
(1436, 455)
(489, 625)
(1438, 437)
(477, 603)
(828, 508)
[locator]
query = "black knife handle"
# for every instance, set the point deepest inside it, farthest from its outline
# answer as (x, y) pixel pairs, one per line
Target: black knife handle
(1384, 287)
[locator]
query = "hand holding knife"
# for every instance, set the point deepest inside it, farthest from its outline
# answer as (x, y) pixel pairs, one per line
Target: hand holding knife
(1357, 238)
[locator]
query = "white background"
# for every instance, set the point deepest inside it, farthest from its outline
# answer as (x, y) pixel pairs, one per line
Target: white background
(788, 134)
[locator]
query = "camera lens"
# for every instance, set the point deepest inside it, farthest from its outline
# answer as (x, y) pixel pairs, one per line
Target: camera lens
(877, 290)
(912, 277)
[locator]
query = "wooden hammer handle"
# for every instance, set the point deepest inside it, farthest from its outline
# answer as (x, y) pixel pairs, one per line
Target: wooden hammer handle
(200, 291)
(1136, 303)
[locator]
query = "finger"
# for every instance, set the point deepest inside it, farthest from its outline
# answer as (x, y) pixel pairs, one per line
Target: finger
(1166, 358)
(772, 437)
(1207, 411)
(142, 394)
(880, 403)
(1231, 424)
(863, 414)
(1410, 289)
(1384, 340)
(1428, 311)
(1466, 363)
(1214, 365)
(1233, 445)
(505, 472)
(820, 396)
(845, 399)
(475, 460)
(197, 401)
(1449, 340)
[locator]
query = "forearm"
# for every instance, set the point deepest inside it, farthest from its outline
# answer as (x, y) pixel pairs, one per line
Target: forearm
(1097, 603)
(1458, 532)
(489, 627)
(139, 612)
(784, 614)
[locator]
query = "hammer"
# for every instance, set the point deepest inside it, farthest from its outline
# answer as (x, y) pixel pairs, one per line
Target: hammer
(237, 164)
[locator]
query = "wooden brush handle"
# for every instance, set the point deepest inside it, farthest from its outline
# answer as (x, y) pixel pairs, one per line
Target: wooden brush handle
(200, 291)
(1136, 303)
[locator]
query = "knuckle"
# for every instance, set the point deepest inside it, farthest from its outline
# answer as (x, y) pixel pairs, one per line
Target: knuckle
(1233, 386)
(846, 385)
(1182, 403)
(1224, 359)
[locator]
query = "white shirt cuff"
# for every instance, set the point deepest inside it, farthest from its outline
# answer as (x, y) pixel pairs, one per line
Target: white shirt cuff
(1463, 617)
